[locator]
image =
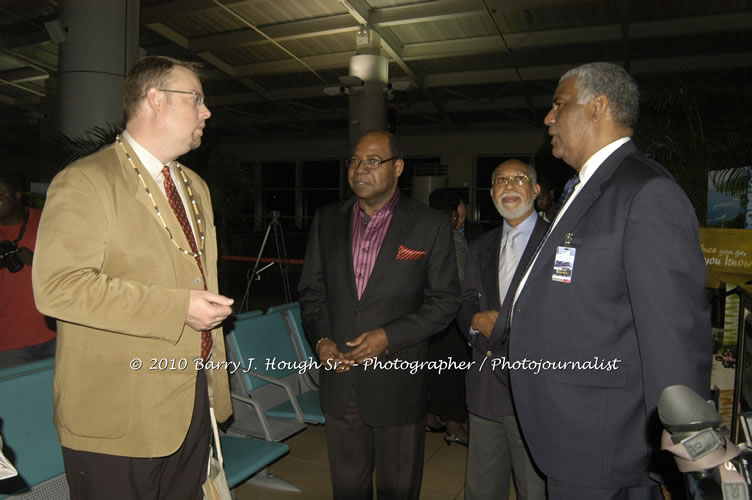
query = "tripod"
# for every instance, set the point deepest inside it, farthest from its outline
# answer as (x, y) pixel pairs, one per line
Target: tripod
(255, 274)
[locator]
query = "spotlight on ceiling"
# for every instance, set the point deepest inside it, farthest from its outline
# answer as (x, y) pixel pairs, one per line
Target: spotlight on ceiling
(400, 85)
(351, 81)
(335, 91)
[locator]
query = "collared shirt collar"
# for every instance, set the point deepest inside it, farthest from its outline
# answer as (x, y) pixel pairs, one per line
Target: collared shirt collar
(148, 160)
(595, 161)
(388, 206)
(525, 227)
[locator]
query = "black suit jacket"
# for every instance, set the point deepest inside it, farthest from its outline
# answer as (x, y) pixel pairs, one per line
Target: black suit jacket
(410, 299)
(488, 392)
(636, 304)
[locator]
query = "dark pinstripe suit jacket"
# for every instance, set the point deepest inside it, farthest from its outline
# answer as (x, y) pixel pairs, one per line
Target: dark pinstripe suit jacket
(637, 296)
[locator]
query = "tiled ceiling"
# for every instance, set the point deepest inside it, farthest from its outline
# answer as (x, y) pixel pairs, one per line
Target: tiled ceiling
(472, 64)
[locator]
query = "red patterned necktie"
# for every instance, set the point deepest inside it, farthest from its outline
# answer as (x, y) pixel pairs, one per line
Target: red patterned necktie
(177, 207)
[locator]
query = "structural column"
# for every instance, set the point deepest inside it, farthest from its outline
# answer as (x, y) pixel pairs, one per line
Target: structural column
(367, 81)
(101, 46)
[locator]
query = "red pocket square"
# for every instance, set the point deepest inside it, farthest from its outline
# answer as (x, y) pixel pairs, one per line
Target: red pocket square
(405, 253)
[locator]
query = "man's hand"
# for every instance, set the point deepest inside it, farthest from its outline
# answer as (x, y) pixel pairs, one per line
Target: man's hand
(332, 358)
(484, 322)
(367, 345)
(206, 310)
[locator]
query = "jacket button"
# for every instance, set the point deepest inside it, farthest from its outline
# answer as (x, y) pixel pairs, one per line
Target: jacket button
(489, 354)
(197, 281)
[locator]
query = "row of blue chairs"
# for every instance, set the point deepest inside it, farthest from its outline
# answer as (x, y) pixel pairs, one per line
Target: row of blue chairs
(275, 387)
(271, 402)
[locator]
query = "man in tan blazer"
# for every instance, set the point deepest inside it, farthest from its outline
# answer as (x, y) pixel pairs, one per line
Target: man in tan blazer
(134, 299)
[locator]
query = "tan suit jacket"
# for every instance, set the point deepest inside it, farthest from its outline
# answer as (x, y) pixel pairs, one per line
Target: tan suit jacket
(106, 269)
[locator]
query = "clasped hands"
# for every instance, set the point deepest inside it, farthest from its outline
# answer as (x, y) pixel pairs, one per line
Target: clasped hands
(484, 322)
(367, 345)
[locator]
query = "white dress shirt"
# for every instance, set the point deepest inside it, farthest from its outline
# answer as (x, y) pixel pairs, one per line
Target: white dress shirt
(152, 164)
(585, 173)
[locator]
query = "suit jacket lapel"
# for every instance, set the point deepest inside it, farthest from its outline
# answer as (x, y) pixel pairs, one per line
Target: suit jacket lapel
(400, 225)
(343, 244)
(590, 192)
(490, 261)
(142, 197)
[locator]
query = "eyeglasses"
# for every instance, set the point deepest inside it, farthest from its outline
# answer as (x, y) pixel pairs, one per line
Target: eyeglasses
(198, 99)
(368, 162)
(516, 180)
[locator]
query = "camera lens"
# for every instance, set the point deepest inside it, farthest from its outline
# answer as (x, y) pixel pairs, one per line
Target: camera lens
(9, 257)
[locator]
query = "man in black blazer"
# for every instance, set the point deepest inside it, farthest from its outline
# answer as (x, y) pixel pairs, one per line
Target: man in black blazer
(612, 309)
(379, 279)
(496, 448)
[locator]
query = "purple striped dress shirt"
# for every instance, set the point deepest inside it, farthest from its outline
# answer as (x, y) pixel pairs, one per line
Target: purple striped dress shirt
(368, 234)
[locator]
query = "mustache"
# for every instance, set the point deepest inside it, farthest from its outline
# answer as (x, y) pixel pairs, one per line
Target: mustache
(511, 195)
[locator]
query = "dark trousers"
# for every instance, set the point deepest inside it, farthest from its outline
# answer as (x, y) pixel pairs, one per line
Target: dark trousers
(96, 476)
(560, 490)
(355, 447)
(446, 390)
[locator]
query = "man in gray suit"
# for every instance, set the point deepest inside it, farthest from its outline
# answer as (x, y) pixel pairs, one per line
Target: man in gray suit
(496, 448)
(612, 308)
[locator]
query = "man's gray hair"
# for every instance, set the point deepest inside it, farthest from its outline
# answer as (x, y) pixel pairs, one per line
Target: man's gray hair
(615, 83)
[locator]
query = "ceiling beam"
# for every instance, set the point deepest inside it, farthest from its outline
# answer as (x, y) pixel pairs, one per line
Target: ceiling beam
(164, 12)
(321, 26)
(419, 108)
(322, 61)
(215, 61)
(328, 25)
(553, 72)
(450, 48)
(342, 23)
(529, 73)
(492, 44)
(425, 12)
(21, 75)
(589, 34)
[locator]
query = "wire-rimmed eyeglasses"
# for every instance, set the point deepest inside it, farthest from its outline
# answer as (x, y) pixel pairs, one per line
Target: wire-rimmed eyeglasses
(516, 180)
(198, 99)
(368, 162)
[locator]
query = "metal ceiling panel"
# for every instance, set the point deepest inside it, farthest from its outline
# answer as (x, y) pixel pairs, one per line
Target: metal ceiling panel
(268, 61)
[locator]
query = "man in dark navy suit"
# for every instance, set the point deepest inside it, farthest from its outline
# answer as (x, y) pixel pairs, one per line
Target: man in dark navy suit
(612, 309)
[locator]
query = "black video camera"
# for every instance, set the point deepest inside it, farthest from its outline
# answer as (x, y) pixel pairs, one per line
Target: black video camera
(9, 257)
(714, 467)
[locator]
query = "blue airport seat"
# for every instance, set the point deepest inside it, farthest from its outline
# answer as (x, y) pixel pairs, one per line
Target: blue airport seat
(244, 457)
(29, 435)
(272, 380)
